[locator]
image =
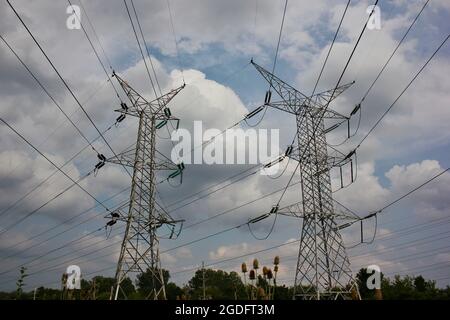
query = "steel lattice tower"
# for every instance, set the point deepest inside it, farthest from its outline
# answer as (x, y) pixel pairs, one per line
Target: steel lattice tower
(140, 246)
(323, 268)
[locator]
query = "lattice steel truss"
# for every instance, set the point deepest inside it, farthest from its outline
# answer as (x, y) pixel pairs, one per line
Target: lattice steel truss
(323, 268)
(140, 247)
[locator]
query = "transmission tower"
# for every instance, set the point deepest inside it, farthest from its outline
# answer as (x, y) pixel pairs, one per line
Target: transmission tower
(144, 216)
(323, 268)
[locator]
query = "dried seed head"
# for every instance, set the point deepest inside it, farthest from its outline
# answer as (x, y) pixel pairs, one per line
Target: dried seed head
(252, 275)
(244, 268)
(276, 261)
(255, 264)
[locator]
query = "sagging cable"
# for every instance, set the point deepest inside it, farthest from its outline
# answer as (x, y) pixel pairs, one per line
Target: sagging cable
(274, 210)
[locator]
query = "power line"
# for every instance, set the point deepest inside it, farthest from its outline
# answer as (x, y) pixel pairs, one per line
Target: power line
(435, 223)
(325, 107)
(352, 53)
(239, 256)
(428, 267)
(395, 50)
(63, 81)
(18, 201)
(90, 143)
(331, 47)
(238, 207)
(55, 249)
(65, 221)
(242, 205)
(282, 245)
(415, 189)
(140, 49)
(315, 87)
(375, 214)
(95, 52)
(146, 47)
(403, 91)
(247, 254)
(279, 37)
(47, 93)
(55, 129)
(29, 214)
(54, 196)
(215, 190)
(56, 166)
(218, 233)
(54, 267)
(96, 35)
(225, 212)
(420, 255)
(295, 256)
(402, 197)
(403, 245)
(409, 84)
(60, 233)
(210, 187)
(175, 38)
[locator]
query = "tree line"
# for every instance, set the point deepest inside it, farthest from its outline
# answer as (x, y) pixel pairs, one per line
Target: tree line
(219, 284)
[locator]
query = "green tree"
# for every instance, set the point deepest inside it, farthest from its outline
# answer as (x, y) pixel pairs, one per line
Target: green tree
(173, 291)
(219, 285)
(103, 287)
(147, 282)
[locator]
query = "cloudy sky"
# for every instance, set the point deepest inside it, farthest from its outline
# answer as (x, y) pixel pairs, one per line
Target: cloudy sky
(216, 40)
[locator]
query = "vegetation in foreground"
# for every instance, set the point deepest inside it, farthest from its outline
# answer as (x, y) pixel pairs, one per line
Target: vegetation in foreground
(227, 286)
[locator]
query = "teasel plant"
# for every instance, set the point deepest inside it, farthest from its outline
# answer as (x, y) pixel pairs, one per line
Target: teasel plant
(276, 262)
(269, 278)
(244, 271)
(265, 270)
(252, 277)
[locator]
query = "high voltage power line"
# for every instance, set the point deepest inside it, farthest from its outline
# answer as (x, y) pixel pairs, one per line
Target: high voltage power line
(63, 81)
(95, 51)
(212, 263)
(396, 234)
(327, 97)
